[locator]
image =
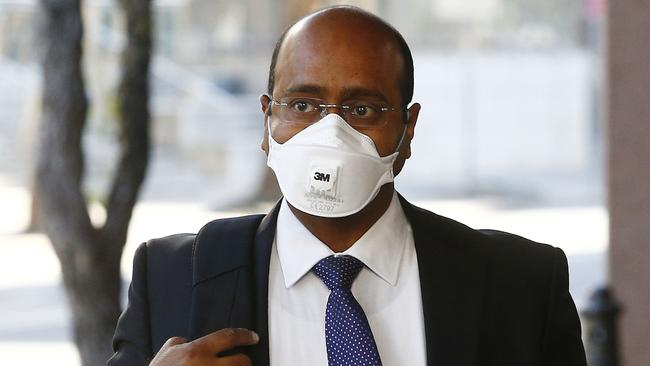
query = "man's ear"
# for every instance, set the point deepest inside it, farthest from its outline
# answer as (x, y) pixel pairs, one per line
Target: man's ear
(405, 148)
(411, 119)
(265, 102)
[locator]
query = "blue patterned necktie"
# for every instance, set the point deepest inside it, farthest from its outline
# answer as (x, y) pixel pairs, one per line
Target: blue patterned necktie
(347, 332)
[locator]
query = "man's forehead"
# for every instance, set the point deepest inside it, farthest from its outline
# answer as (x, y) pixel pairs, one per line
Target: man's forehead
(349, 43)
(341, 24)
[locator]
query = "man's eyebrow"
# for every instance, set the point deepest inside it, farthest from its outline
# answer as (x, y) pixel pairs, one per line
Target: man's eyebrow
(357, 92)
(347, 93)
(304, 88)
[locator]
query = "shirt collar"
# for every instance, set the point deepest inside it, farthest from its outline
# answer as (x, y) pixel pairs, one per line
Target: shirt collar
(380, 248)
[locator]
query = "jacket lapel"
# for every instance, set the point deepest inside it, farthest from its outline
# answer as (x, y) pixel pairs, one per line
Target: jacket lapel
(452, 280)
(262, 257)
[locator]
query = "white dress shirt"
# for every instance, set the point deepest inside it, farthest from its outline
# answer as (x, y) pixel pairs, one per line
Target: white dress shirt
(388, 289)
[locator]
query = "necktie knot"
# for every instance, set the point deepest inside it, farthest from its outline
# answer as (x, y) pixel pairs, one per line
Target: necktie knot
(338, 271)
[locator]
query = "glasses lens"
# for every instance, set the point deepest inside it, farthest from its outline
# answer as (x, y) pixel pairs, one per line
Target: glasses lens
(299, 110)
(365, 114)
(360, 113)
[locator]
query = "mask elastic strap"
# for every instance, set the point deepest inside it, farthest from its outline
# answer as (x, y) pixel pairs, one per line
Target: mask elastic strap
(268, 127)
(401, 139)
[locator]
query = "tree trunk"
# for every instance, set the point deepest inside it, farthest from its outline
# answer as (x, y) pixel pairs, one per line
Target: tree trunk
(89, 256)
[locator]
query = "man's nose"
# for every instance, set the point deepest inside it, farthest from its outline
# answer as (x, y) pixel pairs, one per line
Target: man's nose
(333, 108)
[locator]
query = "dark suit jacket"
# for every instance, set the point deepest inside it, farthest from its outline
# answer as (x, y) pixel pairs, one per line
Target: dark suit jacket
(489, 297)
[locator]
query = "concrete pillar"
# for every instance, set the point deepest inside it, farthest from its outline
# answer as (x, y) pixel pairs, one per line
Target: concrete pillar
(629, 172)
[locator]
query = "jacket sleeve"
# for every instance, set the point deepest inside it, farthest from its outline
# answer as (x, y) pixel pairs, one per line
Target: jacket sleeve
(132, 339)
(563, 340)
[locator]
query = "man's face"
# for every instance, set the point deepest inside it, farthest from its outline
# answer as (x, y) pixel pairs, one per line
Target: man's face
(338, 60)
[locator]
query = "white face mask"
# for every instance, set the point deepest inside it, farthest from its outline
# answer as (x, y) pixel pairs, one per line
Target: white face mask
(329, 169)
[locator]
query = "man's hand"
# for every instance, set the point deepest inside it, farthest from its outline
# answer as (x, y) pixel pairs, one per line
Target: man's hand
(177, 351)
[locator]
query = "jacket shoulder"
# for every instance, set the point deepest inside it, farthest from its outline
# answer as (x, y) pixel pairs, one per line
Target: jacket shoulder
(222, 245)
(508, 251)
(172, 248)
(182, 247)
(501, 243)
(488, 242)
(515, 262)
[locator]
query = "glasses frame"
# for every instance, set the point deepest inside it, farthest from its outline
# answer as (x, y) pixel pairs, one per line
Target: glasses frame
(343, 107)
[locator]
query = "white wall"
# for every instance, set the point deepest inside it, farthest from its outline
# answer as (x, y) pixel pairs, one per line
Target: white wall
(500, 117)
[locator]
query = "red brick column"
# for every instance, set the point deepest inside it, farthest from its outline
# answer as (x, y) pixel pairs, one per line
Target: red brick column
(628, 158)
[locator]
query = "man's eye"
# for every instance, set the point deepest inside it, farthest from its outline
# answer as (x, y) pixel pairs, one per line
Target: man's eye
(363, 110)
(302, 106)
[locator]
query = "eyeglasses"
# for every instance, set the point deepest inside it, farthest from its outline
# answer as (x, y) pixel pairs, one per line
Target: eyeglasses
(309, 110)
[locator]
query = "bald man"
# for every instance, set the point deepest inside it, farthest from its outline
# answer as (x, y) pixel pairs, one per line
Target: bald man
(343, 270)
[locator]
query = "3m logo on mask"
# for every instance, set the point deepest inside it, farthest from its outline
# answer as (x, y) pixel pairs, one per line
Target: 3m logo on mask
(322, 180)
(322, 177)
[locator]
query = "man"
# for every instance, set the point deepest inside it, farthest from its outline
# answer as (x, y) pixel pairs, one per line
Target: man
(344, 271)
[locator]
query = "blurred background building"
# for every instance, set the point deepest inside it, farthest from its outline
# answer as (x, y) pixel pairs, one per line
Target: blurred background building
(510, 89)
(510, 135)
